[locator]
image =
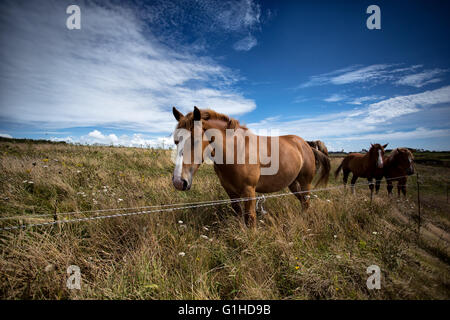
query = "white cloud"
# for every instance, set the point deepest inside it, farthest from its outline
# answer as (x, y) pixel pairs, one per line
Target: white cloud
(402, 105)
(245, 44)
(5, 135)
(368, 123)
(360, 100)
(360, 75)
(421, 79)
(113, 72)
(134, 140)
(335, 98)
(376, 74)
(419, 133)
(349, 75)
(237, 15)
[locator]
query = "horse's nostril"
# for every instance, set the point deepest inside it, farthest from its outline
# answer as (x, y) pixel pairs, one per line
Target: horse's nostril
(185, 184)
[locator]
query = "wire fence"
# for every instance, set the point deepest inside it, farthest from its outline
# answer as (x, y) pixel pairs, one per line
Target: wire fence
(160, 208)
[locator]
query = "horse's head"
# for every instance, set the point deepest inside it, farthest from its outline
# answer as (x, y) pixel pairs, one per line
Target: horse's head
(376, 151)
(188, 137)
(404, 159)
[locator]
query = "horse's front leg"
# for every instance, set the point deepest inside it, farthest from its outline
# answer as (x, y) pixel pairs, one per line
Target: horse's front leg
(401, 186)
(235, 204)
(250, 207)
(354, 178)
(377, 185)
(389, 186)
(370, 180)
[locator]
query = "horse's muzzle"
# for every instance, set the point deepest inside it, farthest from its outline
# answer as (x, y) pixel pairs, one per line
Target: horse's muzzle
(410, 171)
(180, 184)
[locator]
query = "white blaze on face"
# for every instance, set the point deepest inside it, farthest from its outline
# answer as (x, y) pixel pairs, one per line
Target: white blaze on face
(179, 161)
(380, 160)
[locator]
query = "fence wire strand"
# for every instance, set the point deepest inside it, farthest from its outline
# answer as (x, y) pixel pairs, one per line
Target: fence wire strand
(162, 208)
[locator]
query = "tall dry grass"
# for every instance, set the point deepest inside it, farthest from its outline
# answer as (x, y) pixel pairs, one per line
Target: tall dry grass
(319, 254)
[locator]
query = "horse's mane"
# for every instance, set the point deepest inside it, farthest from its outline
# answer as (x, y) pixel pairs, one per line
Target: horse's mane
(207, 114)
(397, 151)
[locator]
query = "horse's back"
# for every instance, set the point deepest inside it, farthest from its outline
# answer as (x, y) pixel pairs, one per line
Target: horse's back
(354, 162)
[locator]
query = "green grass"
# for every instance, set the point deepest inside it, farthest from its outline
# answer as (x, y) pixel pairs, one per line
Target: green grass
(319, 254)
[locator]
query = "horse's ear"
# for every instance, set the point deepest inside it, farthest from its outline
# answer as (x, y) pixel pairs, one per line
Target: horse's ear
(384, 147)
(197, 114)
(177, 114)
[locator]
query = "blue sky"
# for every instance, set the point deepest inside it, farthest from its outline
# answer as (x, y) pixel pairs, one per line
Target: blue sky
(310, 68)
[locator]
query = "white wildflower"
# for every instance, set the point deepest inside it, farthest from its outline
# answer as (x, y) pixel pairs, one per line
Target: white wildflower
(180, 221)
(204, 237)
(49, 268)
(181, 254)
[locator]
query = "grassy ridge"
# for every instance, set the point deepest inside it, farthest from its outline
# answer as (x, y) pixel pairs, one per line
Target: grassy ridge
(319, 254)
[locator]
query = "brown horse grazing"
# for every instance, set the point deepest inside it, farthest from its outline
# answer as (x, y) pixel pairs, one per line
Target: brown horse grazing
(318, 145)
(362, 165)
(397, 166)
(296, 160)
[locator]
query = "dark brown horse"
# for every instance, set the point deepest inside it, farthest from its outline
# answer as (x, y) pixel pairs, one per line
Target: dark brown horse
(296, 160)
(318, 145)
(397, 166)
(362, 165)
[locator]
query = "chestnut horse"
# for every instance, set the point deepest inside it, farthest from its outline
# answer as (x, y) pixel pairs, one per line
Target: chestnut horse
(296, 161)
(362, 165)
(397, 166)
(319, 145)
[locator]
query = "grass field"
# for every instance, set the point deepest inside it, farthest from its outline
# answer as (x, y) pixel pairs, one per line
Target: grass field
(319, 254)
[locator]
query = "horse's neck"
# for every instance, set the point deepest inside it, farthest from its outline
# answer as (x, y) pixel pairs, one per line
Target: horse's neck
(368, 160)
(389, 161)
(224, 144)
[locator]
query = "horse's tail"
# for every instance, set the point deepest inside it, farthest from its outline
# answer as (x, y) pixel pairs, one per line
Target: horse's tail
(336, 173)
(325, 166)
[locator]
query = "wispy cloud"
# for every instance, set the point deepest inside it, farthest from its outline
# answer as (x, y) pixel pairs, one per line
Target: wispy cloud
(366, 123)
(237, 19)
(361, 100)
(113, 72)
(422, 78)
(348, 75)
(402, 105)
(335, 98)
(245, 44)
(376, 74)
